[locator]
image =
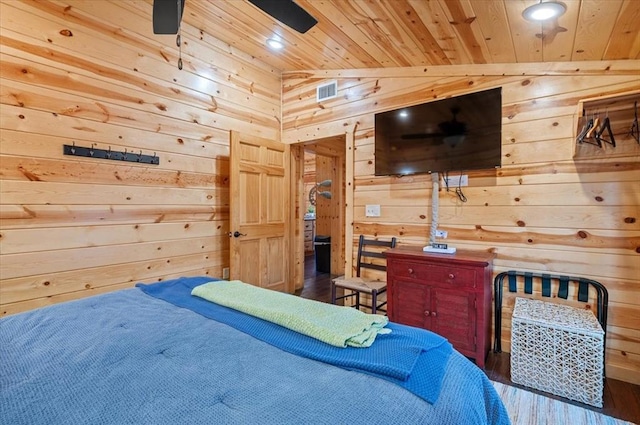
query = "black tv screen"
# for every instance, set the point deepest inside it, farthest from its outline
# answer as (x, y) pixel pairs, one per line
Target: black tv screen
(455, 134)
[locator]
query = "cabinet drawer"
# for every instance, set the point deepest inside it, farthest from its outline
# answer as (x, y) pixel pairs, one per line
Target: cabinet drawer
(308, 246)
(308, 236)
(445, 275)
(308, 225)
(454, 276)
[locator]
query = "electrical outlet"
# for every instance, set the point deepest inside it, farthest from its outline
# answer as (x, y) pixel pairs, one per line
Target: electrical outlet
(372, 211)
(459, 180)
(225, 273)
(441, 234)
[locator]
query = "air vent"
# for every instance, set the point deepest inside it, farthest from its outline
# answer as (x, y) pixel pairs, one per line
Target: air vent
(327, 91)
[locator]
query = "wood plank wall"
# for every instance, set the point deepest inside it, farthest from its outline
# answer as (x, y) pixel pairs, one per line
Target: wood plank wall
(92, 72)
(542, 211)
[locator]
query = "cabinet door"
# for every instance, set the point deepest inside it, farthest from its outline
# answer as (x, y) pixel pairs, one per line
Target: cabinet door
(454, 317)
(410, 304)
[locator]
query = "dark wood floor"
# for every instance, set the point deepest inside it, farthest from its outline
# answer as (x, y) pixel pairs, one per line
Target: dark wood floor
(621, 399)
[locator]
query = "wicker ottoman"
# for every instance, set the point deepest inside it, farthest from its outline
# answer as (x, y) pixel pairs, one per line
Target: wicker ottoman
(557, 349)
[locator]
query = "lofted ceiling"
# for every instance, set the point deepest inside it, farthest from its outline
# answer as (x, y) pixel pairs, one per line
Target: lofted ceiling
(397, 33)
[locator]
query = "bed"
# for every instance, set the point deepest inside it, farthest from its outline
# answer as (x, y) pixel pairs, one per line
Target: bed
(155, 354)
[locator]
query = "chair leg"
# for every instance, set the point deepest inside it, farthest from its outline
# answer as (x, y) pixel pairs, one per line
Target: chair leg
(374, 301)
(333, 293)
(357, 300)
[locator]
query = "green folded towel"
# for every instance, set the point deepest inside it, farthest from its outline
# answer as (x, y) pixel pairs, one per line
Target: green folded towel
(335, 325)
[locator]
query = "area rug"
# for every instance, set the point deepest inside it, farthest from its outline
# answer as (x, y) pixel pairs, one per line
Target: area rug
(527, 408)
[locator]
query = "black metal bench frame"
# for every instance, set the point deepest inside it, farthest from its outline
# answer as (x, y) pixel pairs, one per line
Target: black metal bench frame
(545, 280)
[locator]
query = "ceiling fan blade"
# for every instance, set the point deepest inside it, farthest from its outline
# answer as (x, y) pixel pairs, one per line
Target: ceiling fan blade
(287, 12)
(166, 18)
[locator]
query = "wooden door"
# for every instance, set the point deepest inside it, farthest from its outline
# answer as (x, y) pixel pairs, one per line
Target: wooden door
(260, 211)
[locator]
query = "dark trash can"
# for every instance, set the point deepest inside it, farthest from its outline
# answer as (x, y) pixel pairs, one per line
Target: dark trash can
(322, 247)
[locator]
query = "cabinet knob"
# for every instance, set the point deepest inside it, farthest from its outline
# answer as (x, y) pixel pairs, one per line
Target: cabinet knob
(433, 313)
(410, 271)
(427, 312)
(451, 276)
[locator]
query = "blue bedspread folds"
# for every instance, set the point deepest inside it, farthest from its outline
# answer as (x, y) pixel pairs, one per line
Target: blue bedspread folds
(125, 357)
(412, 358)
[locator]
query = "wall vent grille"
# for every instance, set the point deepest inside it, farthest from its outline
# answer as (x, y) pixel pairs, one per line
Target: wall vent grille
(327, 91)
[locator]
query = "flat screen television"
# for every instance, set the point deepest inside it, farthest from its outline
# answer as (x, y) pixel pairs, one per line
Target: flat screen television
(455, 134)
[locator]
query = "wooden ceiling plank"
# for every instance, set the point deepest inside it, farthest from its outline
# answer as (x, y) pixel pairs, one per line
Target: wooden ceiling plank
(306, 46)
(379, 29)
(491, 16)
(558, 35)
(437, 23)
(527, 45)
(344, 34)
(463, 19)
(355, 34)
(243, 30)
(595, 18)
(625, 39)
(382, 13)
(411, 19)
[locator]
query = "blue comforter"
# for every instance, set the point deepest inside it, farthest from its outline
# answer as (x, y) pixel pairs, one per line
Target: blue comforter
(412, 358)
(128, 358)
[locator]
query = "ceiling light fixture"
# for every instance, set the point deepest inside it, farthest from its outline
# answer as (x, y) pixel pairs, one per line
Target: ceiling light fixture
(543, 11)
(275, 44)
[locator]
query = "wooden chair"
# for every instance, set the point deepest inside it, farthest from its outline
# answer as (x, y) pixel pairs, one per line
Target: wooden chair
(357, 285)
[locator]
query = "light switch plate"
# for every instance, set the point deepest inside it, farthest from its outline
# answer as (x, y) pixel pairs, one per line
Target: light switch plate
(372, 210)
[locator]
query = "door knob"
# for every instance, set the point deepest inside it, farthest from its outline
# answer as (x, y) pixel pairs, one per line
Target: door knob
(236, 234)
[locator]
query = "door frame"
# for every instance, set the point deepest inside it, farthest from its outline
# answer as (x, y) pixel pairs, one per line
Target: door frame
(337, 148)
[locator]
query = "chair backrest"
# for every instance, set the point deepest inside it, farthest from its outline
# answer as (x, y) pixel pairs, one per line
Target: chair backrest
(364, 251)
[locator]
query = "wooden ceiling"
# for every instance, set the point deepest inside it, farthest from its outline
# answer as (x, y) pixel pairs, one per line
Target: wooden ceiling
(398, 33)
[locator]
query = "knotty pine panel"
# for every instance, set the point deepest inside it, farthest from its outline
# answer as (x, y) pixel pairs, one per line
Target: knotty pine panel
(152, 55)
(77, 170)
(46, 285)
(93, 74)
(29, 240)
(542, 211)
(60, 260)
(29, 304)
(47, 216)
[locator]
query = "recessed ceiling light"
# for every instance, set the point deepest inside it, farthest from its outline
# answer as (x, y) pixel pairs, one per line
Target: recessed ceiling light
(275, 44)
(544, 11)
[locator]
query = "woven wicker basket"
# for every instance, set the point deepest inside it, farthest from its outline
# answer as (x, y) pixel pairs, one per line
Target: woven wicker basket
(557, 349)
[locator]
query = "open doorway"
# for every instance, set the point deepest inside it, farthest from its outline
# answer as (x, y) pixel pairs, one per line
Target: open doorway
(321, 170)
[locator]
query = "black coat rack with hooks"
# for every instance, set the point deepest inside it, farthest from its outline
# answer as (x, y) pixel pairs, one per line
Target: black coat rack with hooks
(125, 155)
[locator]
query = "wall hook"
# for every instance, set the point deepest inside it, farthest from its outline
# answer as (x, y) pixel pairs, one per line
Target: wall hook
(95, 153)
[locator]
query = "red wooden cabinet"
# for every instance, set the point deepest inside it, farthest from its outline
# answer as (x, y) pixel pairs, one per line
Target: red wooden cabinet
(449, 294)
